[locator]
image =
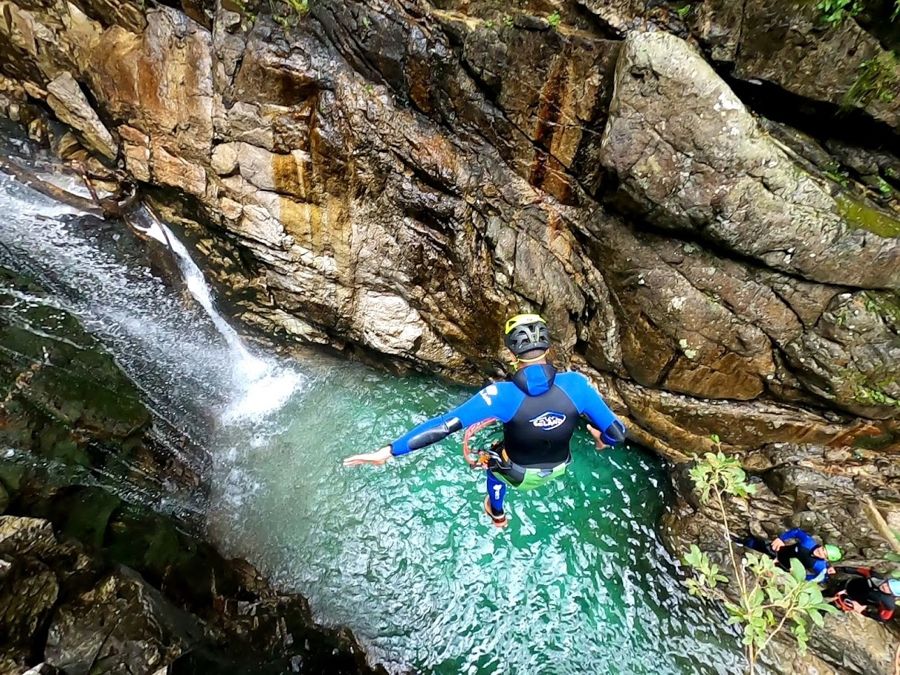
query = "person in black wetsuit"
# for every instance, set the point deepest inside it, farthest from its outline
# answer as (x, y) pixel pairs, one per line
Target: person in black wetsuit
(540, 409)
(858, 589)
(815, 557)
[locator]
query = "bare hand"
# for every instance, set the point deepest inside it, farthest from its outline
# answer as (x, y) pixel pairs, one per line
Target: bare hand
(380, 456)
(777, 544)
(598, 439)
(857, 607)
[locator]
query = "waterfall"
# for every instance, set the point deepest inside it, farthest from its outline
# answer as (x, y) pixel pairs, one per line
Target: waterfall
(248, 365)
(189, 361)
(265, 385)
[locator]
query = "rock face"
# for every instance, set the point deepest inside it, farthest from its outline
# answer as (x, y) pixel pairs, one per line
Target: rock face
(794, 488)
(396, 183)
(90, 582)
(68, 102)
(706, 167)
(69, 609)
(796, 46)
(393, 178)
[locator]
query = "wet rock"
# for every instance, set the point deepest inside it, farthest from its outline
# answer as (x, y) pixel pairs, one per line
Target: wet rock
(69, 103)
(800, 488)
(394, 183)
(345, 167)
(852, 355)
(791, 45)
(690, 157)
(29, 592)
(120, 623)
(67, 605)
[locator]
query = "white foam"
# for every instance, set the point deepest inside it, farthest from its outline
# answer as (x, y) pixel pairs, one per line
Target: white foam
(264, 395)
(265, 388)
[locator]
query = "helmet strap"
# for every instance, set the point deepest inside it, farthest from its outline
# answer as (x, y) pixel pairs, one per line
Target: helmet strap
(543, 356)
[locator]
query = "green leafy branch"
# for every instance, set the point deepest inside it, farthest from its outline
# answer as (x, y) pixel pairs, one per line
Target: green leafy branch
(835, 11)
(769, 599)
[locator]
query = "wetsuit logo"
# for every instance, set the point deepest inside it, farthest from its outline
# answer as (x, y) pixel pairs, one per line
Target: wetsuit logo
(548, 420)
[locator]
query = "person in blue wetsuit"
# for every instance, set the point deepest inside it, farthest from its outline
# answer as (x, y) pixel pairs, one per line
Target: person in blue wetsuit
(815, 557)
(540, 409)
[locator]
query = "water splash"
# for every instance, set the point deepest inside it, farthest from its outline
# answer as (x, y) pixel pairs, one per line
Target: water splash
(265, 386)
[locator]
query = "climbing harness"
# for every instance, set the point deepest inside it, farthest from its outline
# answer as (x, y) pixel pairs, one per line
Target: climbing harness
(494, 458)
(841, 601)
(480, 458)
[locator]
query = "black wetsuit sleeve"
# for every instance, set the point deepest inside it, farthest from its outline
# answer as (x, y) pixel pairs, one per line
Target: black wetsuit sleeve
(495, 400)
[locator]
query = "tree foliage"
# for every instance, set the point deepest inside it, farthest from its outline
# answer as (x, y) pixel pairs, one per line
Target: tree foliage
(769, 599)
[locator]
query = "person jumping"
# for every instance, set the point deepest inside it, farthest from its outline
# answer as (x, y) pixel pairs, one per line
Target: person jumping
(539, 407)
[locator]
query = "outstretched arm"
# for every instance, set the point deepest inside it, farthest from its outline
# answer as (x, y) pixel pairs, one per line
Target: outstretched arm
(493, 401)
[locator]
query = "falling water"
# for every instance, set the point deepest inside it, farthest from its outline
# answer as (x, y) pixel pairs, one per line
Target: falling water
(266, 386)
(194, 370)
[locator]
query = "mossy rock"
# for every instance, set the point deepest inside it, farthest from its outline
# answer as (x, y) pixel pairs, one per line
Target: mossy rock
(83, 512)
(878, 80)
(68, 374)
(60, 386)
(861, 216)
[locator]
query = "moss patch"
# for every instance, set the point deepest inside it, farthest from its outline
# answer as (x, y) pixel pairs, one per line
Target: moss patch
(877, 442)
(878, 80)
(868, 396)
(885, 305)
(861, 216)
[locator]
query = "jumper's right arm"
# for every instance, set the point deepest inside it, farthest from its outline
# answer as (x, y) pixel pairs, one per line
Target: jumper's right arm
(591, 404)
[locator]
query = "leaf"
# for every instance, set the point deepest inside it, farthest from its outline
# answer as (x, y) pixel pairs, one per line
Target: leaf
(714, 438)
(815, 594)
(817, 618)
(757, 597)
(694, 556)
(797, 570)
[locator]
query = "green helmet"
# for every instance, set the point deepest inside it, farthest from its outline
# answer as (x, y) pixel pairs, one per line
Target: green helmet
(525, 333)
(833, 553)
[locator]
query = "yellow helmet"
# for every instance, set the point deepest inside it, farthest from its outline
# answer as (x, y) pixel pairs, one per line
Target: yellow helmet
(525, 333)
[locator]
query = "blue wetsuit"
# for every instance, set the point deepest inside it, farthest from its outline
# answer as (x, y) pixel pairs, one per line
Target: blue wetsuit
(815, 567)
(539, 408)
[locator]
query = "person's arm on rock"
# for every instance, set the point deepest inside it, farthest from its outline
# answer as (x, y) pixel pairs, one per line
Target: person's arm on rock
(802, 538)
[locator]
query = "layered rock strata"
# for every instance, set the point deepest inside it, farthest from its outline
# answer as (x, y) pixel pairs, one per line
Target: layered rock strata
(393, 178)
